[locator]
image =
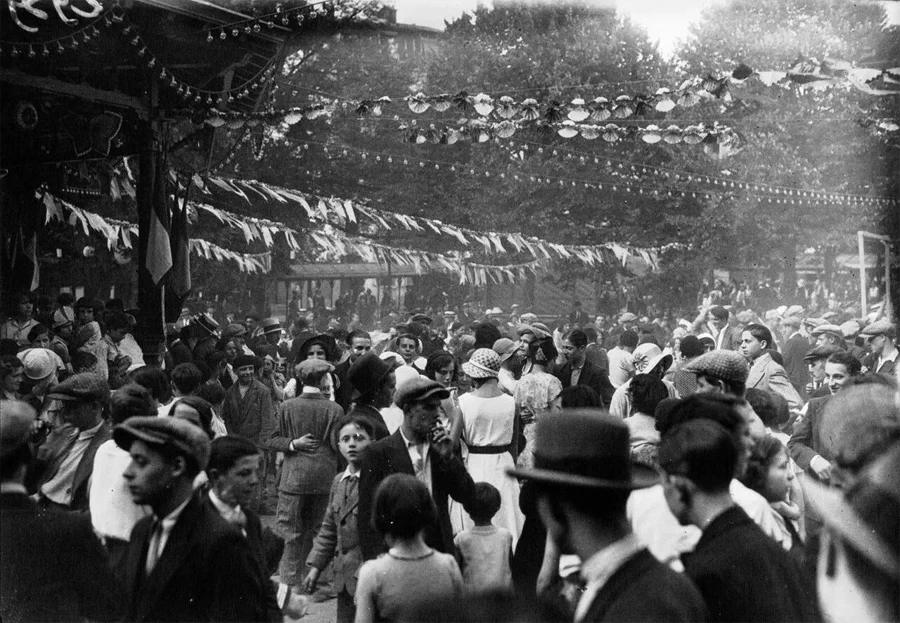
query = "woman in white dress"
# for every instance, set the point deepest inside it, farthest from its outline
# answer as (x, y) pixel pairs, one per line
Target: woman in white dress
(488, 422)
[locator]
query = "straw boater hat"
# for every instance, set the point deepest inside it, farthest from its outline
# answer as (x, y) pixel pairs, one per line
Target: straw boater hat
(585, 449)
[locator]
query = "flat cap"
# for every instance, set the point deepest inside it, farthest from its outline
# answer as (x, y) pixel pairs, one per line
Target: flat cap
(246, 360)
(827, 328)
(528, 318)
(417, 390)
(745, 317)
(308, 367)
(234, 330)
(726, 365)
(880, 327)
(814, 322)
(831, 315)
(821, 352)
(16, 419)
(83, 386)
(627, 317)
(850, 328)
(794, 310)
(420, 318)
(186, 438)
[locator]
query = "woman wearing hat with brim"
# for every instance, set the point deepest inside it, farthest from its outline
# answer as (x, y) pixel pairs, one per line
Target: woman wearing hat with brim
(321, 346)
(489, 417)
(648, 359)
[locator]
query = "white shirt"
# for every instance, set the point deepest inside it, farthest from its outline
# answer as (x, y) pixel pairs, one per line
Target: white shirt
(59, 488)
(418, 454)
(657, 528)
(113, 511)
(758, 509)
(129, 346)
(599, 568)
(882, 360)
(393, 417)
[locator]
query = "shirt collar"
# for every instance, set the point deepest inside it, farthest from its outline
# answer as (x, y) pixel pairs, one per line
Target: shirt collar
(89, 433)
(223, 507)
(311, 390)
(412, 444)
(348, 474)
(169, 520)
(891, 357)
(599, 568)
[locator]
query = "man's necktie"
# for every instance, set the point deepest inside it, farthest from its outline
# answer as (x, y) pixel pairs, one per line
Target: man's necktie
(154, 547)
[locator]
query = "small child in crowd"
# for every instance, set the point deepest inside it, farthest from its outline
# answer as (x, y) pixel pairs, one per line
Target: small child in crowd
(338, 538)
(485, 550)
(396, 584)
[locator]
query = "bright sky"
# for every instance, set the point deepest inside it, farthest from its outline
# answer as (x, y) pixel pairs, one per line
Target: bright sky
(666, 21)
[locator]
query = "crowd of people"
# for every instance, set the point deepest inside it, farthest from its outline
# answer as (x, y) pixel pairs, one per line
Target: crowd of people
(727, 465)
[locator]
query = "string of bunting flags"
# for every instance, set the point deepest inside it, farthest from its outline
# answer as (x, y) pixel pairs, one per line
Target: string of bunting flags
(780, 195)
(122, 233)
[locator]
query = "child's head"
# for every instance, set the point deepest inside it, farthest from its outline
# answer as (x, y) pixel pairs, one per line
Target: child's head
(403, 507)
(768, 471)
(39, 336)
(484, 504)
(354, 435)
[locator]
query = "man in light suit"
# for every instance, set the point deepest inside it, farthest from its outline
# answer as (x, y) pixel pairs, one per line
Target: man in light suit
(765, 373)
(185, 562)
(66, 460)
(248, 412)
(420, 447)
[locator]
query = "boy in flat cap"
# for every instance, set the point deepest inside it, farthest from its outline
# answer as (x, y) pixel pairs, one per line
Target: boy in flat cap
(881, 337)
(584, 476)
(52, 566)
(185, 562)
(421, 448)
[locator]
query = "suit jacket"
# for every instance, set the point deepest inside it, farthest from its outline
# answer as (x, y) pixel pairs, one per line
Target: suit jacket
(795, 350)
(207, 572)
(252, 416)
(52, 567)
(592, 376)
(343, 394)
(744, 575)
(887, 368)
(304, 473)
(809, 438)
(768, 375)
(338, 537)
(449, 478)
(51, 455)
(644, 589)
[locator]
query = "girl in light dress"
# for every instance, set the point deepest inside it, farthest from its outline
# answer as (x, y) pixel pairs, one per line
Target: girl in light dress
(536, 395)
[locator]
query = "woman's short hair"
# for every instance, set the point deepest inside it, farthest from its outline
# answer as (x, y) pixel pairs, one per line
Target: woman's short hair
(579, 396)
(36, 330)
(761, 456)
(403, 506)
(437, 360)
(203, 408)
(647, 391)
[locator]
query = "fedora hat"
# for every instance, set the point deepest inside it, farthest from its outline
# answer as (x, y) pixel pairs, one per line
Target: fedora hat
(206, 322)
(588, 449)
(367, 372)
(866, 514)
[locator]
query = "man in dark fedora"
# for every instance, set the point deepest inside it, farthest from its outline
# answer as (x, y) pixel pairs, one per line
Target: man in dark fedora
(185, 562)
(584, 476)
(52, 566)
(421, 448)
(373, 381)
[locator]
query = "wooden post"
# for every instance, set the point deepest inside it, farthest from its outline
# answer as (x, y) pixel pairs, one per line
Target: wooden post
(151, 330)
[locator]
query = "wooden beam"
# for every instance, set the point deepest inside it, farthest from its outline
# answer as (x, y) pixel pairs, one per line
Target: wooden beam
(82, 91)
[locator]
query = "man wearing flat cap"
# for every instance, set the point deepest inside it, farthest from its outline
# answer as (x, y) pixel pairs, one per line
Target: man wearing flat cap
(66, 459)
(881, 336)
(52, 566)
(815, 362)
(248, 412)
(185, 562)
(583, 476)
(305, 436)
(421, 448)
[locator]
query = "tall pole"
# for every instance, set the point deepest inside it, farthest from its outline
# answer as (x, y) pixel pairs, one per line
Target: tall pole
(150, 331)
(888, 312)
(862, 272)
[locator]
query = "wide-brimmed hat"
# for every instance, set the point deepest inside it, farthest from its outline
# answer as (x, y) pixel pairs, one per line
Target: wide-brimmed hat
(367, 373)
(205, 322)
(505, 347)
(327, 341)
(586, 449)
(271, 325)
(648, 356)
(865, 515)
(181, 435)
(39, 363)
(483, 364)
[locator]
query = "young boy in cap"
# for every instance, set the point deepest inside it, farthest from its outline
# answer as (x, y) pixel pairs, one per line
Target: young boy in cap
(185, 563)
